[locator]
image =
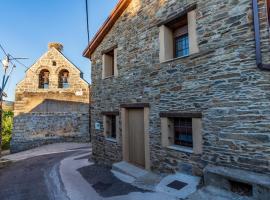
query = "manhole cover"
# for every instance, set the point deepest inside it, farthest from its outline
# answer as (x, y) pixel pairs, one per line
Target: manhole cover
(177, 185)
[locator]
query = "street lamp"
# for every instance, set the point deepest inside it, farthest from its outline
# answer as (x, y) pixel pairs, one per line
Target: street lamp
(5, 63)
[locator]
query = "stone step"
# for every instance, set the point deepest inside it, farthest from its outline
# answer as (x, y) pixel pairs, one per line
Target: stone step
(179, 185)
(129, 169)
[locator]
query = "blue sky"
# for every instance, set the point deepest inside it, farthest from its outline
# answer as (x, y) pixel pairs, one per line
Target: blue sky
(28, 26)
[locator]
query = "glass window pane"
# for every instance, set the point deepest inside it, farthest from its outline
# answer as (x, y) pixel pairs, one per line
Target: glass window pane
(181, 46)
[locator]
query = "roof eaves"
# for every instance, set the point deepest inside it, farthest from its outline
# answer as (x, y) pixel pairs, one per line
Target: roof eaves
(106, 27)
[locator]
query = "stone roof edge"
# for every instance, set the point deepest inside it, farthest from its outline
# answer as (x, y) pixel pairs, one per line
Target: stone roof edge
(106, 27)
(74, 66)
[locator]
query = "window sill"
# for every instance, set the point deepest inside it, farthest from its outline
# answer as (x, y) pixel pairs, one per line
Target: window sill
(180, 148)
(190, 56)
(111, 140)
(174, 59)
(109, 77)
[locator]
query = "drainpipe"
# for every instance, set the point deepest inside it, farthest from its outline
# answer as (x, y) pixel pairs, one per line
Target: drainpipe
(256, 22)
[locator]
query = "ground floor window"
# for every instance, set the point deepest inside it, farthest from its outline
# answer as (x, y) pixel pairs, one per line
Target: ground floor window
(110, 123)
(182, 131)
(112, 126)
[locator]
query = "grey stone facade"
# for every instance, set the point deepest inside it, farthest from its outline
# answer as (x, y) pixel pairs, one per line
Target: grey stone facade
(222, 82)
(53, 114)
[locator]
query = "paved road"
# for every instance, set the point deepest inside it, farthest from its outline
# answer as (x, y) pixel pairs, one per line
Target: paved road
(36, 173)
(34, 178)
(63, 172)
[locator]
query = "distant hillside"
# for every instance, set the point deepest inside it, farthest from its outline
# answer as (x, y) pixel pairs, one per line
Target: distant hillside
(8, 105)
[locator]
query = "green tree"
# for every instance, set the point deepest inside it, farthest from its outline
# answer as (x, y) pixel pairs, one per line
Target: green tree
(7, 129)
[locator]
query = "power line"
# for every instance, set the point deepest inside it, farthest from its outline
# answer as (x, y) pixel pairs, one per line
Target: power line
(3, 50)
(15, 59)
(6, 54)
(87, 21)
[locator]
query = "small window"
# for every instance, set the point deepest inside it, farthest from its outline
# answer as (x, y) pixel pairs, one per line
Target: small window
(179, 28)
(109, 64)
(64, 79)
(183, 132)
(178, 37)
(54, 63)
(110, 126)
(44, 79)
(181, 46)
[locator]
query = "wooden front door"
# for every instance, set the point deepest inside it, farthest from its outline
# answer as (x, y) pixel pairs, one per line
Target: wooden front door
(136, 136)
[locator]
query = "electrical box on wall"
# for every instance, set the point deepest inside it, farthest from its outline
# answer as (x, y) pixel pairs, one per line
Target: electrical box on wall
(97, 126)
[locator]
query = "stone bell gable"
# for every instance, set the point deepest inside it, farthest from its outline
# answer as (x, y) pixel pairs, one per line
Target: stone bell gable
(55, 64)
(51, 102)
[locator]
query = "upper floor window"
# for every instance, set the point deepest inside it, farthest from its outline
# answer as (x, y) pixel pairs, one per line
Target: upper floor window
(44, 79)
(181, 43)
(109, 65)
(64, 79)
(178, 37)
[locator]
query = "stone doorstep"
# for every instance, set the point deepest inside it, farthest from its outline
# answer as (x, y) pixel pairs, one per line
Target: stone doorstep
(153, 182)
(4, 163)
(129, 169)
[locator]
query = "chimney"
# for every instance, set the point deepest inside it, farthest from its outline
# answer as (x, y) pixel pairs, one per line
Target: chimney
(56, 45)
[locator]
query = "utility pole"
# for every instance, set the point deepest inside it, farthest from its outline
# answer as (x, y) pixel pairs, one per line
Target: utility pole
(5, 63)
(87, 21)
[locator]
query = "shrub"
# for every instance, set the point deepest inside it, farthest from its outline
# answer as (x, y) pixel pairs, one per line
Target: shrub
(7, 129)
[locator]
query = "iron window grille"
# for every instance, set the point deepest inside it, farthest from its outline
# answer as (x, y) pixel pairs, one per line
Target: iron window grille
(183, 132)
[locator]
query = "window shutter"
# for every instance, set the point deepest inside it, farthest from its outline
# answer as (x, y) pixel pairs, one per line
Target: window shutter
(166, 43)
(192, 32)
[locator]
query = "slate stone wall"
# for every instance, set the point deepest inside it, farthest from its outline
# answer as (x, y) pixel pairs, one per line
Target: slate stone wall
(36, 129)
(222, 82)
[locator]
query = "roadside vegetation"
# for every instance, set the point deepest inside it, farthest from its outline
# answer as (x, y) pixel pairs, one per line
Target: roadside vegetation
(7, 129)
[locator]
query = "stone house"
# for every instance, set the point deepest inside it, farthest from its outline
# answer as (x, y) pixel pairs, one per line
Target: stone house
(180, 86)
(51, 103)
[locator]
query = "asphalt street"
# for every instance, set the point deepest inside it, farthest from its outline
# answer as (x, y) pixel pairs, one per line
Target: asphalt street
(33, 179)
(63, 172)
